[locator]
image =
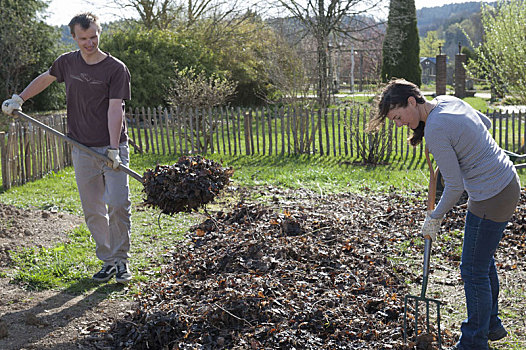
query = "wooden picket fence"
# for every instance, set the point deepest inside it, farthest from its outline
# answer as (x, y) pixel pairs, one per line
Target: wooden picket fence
(28, 153)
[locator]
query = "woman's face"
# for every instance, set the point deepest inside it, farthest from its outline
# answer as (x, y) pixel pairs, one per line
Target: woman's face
(408, 115)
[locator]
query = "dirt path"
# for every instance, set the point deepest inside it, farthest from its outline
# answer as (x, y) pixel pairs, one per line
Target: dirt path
(49, 319)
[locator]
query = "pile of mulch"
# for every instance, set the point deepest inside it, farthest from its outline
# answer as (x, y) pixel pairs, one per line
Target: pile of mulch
(303, 271)
(185, 186)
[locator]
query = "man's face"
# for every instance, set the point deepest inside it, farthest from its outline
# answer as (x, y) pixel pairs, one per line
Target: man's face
(87, 39)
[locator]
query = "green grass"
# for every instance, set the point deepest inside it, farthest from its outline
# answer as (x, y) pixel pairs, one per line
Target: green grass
(478, 103)
(64, 265)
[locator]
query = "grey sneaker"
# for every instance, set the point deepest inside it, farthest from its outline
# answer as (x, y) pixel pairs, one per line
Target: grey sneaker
(107, 272)
(123, 272)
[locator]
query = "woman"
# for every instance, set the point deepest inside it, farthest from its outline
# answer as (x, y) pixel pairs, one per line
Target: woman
(469, 159)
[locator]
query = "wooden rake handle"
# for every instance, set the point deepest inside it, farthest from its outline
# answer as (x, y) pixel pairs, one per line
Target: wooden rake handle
(78, 144)
(431, 196)
(432, 190)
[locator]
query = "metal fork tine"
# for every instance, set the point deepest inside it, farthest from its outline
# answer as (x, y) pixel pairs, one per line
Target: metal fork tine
(427, 327)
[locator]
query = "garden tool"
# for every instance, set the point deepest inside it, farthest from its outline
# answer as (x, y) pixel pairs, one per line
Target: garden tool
(77, 144)
(421, 299)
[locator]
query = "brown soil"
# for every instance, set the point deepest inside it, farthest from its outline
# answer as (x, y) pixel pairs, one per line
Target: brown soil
(47, 319)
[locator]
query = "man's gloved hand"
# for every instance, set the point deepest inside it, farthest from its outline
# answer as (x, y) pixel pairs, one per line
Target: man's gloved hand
(113, 154)
(431, 227)
(14, 103)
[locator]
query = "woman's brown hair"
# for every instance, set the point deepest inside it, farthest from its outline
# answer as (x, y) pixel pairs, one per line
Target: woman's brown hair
(395, 95)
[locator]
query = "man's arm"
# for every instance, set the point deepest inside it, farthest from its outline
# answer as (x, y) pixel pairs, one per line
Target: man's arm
(38, 85)
(115, 118)
(35, 87)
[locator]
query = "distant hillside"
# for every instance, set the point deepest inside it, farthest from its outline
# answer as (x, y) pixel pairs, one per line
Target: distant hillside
(436, 18)
(452, 22)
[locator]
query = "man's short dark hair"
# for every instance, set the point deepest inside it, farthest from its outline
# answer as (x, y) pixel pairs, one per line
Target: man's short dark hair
(85, 20)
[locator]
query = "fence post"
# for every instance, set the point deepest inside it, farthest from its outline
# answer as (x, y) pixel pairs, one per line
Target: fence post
(320, 141)
(276, 116)
(263, 134)
(506, 135)
(282, 116)
(345, 131)
(213, 126)
(513, 130)
(327, 132)
(228, 131)
(221, 117)
(198, 144)
(500, 128)
(256, 118)
(269, 132)
(176, 129)
(191, 118)
(312, 142)
(339, 133)
(295, 133)
(3, 159)
(351, 135)
(159, 122)
(333, 133)
(248, 137)
(239, 128)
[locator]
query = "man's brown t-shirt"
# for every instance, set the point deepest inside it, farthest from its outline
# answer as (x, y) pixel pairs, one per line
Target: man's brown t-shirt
(89, 89)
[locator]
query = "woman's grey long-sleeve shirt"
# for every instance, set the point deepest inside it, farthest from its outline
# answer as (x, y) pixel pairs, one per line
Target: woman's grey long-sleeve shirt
(467, 155)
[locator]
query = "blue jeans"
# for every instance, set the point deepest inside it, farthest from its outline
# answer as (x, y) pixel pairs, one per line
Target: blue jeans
(481, 283)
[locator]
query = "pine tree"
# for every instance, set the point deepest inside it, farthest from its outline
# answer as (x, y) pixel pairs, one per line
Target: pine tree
(401, 48)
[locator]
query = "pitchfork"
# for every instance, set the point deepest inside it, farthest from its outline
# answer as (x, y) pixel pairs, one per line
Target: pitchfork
(427, 255)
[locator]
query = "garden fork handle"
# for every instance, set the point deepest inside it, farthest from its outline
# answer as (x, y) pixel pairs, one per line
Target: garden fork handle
(77, 144)
(431, 196)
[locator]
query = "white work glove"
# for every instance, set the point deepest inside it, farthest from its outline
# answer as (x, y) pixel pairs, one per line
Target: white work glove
(14, 103)
(113, 154)
(431, 227)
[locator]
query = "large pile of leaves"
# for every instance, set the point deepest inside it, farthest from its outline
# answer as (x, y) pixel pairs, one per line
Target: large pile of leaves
(302, 271)
(186, 185)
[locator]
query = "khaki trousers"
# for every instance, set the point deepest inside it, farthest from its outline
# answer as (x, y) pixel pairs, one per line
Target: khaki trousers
(105, 197)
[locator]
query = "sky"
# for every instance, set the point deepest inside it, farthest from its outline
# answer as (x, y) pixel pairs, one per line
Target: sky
(61, 11)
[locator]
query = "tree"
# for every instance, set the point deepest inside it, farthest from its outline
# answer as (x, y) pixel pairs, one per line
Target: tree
(401, 49)
(165, 14)
(153, 14)
(242, 50)
(191, 89)
(501, 56)
(152, 56)
(429, 46)
(321, 19)
(196, 93)
(28, 46)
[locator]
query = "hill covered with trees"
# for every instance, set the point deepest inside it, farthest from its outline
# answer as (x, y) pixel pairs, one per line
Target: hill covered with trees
(450, 24)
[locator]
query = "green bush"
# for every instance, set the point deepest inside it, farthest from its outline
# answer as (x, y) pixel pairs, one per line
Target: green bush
(152, 57)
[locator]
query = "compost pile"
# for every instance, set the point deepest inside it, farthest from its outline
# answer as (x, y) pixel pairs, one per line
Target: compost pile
(304, 271)
(186, 186)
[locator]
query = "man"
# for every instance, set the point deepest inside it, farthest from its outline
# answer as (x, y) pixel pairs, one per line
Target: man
(96, 86)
